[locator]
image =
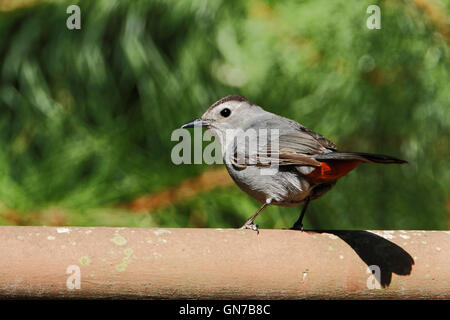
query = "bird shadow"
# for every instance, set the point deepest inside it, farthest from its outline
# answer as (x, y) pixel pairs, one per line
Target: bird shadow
(378, 251)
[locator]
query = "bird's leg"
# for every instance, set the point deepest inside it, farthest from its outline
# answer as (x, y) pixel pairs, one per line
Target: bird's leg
(298, 225)
(249, 223)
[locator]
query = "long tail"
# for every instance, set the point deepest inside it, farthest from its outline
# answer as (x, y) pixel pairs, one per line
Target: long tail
(363, 157)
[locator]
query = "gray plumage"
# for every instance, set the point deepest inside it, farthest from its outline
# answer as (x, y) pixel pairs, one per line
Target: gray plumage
(297, 151)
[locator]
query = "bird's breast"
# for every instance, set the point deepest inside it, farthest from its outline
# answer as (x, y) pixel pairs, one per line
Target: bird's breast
(285, 187)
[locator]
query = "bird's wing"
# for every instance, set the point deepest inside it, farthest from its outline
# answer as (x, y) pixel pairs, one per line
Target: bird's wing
(294, 145)
(318, 143)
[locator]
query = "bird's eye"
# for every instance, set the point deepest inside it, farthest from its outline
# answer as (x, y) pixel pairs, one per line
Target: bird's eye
(225, 112)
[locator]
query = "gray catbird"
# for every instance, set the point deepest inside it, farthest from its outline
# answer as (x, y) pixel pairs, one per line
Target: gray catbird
(308, 165)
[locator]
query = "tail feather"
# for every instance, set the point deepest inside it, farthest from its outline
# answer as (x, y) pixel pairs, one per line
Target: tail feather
(363, 157)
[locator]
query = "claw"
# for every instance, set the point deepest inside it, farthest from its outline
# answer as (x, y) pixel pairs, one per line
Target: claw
(251, 226)
(297, 227)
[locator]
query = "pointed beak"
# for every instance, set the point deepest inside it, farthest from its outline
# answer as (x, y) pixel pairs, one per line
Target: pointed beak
(195, 123)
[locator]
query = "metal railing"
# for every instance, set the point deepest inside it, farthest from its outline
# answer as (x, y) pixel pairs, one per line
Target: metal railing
(98, 262)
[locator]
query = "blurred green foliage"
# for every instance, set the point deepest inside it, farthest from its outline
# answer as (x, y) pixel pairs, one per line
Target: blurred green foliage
(86, 115)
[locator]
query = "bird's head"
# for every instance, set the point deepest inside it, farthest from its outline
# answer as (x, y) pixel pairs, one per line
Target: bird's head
(227, 113)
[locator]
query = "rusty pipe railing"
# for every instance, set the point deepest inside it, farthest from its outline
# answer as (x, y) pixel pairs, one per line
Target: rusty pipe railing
(97, 262)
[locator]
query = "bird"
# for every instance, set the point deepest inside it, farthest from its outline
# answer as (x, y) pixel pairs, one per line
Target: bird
(306, 164)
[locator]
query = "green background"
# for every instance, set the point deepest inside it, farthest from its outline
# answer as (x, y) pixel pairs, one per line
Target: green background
(86, 115)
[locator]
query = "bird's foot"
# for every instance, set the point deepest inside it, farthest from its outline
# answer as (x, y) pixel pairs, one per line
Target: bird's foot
(297, 227)
(251, 226)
